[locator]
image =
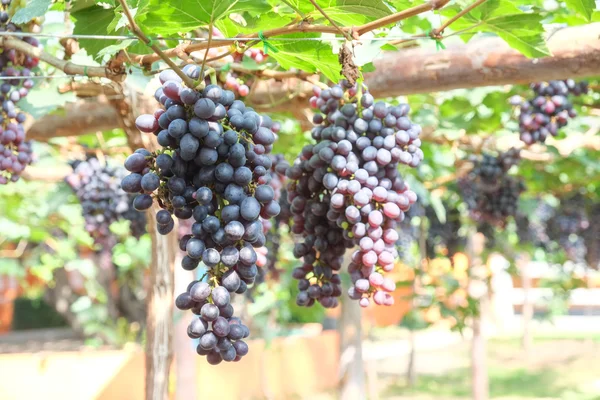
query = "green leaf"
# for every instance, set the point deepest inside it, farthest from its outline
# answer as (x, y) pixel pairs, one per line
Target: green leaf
(368, 67)
(44, 99)
(582, 7)
(523, 32)
(389, 47)
(494, 8)
(352, 12)
(251, 24)
(172, 17)
(33, 9)
(93, 21)
(401, 5)
(307, 55)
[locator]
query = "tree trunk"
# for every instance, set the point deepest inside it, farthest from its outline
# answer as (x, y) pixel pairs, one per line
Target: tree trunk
(159, 332)
(351, 369)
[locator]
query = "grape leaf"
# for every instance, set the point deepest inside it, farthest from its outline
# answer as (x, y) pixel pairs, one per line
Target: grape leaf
(93, 21)
(402, 4)
(494, 8)
(368, 67)
(44, 98)
(352, 12)
(303, 6)
(33, 9)
(231, 28)
(115, 48)
(523, 32)
(171, 17)
(582, 7)
(389, 47)
(307, 55)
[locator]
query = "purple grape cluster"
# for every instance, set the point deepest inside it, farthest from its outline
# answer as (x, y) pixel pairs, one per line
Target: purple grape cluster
(220, 334)
(533, 227)
(213, 168)
(15, 151)
(568, 225)
(98, 189)
(548, 110)
(346, 191)
(490, 193)
(591, 236)
(273, 229)
(442, 238)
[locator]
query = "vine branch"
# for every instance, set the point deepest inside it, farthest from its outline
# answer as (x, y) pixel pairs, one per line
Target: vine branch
(399, 16)
(67, 67)
(466, 10)
(135, 29)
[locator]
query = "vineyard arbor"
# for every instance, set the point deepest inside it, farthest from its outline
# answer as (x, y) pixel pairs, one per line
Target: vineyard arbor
(454, 62)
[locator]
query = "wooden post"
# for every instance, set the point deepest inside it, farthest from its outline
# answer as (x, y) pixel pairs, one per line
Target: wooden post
(160, 301)
(480, 384)
(527, 311)
(352, 372)
(478, 360)
(159, 328)
(184, 352)
(411, 372)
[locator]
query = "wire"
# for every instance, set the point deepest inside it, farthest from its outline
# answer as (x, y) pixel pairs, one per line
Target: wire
(240, 39)
(23, 78)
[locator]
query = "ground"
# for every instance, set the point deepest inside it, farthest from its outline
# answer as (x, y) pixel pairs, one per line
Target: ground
(557, 369)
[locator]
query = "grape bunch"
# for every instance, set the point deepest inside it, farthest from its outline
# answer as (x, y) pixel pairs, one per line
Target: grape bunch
(213, 168)
(568, 225)
(273, 229)
(591, 236)
(220, 334)
(443, 237)
(15, 68)
(548, 110)
(533, 228)
(98, 189)
(489, 192)
(345, 191)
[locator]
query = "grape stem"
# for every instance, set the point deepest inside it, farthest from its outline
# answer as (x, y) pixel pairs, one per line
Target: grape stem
(135, 29)
(344, 33)
(213, 75)
(437, 32)
(210, 35)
